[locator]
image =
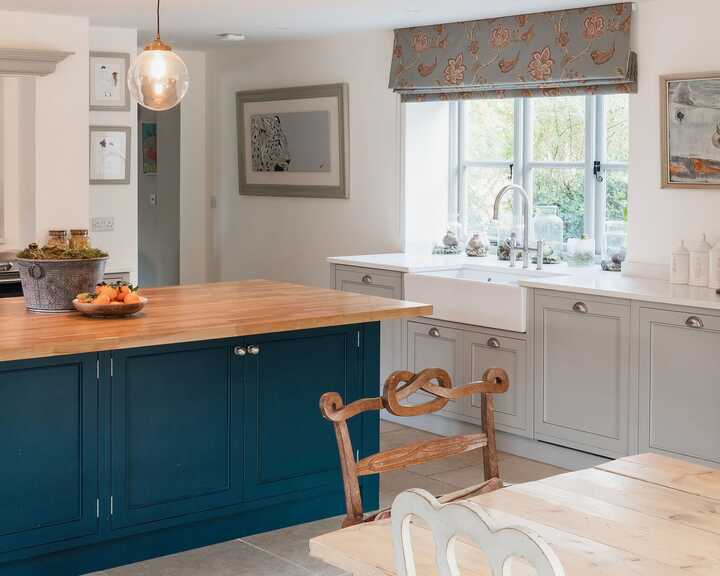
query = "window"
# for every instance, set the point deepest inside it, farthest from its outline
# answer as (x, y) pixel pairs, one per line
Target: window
(570, 152)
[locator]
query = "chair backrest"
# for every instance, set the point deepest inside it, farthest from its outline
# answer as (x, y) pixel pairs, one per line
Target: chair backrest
(398, 387)
(468, 519)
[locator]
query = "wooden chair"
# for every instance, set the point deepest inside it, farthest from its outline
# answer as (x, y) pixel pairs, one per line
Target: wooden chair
(398, 387)
(449, 521)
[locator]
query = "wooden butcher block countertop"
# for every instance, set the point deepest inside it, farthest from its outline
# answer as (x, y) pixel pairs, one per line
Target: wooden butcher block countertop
(193, 313)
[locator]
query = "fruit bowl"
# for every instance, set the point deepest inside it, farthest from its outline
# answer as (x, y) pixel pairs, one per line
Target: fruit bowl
(114, 310)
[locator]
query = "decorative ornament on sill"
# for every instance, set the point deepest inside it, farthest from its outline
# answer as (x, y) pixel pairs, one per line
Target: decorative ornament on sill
(477, 246)
(449, 245)
(158, 78)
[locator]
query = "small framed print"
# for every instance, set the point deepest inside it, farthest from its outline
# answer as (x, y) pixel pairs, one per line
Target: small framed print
(108, 81)
(149, 148)
(109, 155)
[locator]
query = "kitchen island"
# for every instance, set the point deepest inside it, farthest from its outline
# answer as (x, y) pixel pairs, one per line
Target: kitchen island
(194, 422)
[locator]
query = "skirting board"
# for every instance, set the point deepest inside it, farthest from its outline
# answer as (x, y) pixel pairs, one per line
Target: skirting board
(510, 443)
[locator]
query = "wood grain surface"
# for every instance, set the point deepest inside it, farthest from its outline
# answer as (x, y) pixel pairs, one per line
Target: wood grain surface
(193, 313)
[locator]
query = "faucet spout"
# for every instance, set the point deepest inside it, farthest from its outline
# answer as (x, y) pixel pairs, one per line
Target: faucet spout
(525, 212)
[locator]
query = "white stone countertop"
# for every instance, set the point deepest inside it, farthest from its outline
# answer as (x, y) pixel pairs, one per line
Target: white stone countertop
(591, 280)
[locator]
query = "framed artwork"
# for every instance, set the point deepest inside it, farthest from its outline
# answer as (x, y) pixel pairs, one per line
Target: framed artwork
(149, 148)
(293, 142)
(109, 155)
(108, 81)
(690, 119)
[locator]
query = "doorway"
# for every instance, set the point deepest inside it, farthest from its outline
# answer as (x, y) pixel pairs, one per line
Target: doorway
(159, 197)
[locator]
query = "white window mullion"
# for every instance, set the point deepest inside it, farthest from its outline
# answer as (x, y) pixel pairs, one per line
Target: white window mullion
(600, 187)
(455, 211)
(591, 229)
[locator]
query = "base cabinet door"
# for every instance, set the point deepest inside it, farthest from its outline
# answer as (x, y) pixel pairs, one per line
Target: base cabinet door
(483, 351)
(433, 346)
(49, 447)
(582, 373)
(680, 384)
(176, 432)
(290, 447)
(385, 284)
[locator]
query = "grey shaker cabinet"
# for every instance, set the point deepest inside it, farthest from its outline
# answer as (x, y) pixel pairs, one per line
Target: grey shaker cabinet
(582, 373)
(386, 284)
(487, 350)
(679, 389)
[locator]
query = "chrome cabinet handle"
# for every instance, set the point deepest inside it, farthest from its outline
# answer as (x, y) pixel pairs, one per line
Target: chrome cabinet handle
(580, 307)
(239, 351)
(493, 342)
(253, 350)
(694, 322)
(367, 279)
(434, 332)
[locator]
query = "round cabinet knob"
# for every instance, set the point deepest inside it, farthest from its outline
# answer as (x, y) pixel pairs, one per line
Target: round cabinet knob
(253, 350)
(367, 279)
(493, 343)
(580, 307)
(694, 322)
(434, 332)
(239, 351)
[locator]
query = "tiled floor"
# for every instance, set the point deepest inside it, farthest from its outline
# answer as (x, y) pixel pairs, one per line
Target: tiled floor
(285, 552)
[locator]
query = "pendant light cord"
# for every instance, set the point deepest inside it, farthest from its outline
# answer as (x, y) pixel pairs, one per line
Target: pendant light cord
(158, 19)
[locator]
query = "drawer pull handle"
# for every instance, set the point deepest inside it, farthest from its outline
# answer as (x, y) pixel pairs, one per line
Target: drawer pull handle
(434, 332)
(580, 307)
(367, 279)
(253, 350)
(694, 322)
(239, 351)
(493, 343)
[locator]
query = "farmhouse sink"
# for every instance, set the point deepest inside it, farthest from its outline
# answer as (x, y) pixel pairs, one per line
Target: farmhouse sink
(482, 296)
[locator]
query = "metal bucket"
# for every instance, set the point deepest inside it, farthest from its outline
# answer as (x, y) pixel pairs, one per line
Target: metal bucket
(51, 285)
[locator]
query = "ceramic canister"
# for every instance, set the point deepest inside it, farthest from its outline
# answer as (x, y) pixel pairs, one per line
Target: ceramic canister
(680, 265)
(700, 263)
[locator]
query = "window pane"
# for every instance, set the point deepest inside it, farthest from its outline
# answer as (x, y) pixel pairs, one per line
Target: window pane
(564, 188)
(489, 130)
(481, 187)
(616, 211)
(617, 127)
(558, 129)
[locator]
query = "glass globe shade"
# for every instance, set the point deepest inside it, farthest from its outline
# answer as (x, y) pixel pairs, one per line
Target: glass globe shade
(158, 79)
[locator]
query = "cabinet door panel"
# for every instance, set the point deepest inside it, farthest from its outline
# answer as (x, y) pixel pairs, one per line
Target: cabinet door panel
(176, 432)
(483, 351)
(385, 285)
(431, 346)
(48, 442)
(679, 392)
(582, 374)
(290, 447)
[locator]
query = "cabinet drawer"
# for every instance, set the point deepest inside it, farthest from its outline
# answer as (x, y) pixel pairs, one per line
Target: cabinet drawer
(382, 283)
(679, 392)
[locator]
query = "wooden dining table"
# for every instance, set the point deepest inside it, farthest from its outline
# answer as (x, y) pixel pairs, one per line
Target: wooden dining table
(642, 515)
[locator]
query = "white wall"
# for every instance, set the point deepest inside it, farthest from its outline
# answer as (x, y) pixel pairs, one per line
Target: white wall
(289, 238)
(118, 201)
(58, 180)
(658, 218)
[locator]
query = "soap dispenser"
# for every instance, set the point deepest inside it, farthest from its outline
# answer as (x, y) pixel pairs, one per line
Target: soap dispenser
(700, 263)
(714, 274)
(680, 265)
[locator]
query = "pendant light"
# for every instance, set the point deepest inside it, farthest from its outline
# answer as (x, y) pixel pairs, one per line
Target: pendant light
(158, 79)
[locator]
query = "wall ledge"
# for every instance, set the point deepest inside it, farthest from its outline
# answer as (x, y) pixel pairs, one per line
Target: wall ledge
(29, 61)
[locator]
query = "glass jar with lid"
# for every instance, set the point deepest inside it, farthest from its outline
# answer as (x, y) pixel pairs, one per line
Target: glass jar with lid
(57, 239)
(79, 239)
(549, 227)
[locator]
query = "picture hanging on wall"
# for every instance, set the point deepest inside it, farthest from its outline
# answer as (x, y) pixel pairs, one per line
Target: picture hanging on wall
(109, 155)
(149, 148)
(108, 81)
(293, 142)
(690, 118)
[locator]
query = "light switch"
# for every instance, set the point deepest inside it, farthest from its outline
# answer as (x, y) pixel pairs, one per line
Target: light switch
(103, 224)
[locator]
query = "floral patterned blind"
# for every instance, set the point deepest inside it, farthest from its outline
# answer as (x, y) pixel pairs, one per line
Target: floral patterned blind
(578, 51)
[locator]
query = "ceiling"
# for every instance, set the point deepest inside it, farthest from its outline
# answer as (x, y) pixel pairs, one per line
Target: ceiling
(196, 23)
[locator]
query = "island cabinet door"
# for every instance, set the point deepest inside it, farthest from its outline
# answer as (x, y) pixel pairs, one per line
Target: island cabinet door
(176, 432)
(290, 447)
(48, 446)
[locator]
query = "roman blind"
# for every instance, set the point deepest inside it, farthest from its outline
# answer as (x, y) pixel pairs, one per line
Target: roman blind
(577, 51)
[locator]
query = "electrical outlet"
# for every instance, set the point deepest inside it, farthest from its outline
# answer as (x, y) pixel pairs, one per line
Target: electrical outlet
(103, 224)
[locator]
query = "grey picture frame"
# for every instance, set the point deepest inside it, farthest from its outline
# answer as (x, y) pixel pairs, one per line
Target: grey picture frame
(111, 55)
(340, 92)
(128, 157)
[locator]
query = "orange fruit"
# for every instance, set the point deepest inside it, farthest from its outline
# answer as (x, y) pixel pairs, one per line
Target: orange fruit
(115, 303)
(99, 288)
(102, 298)
(132, 298)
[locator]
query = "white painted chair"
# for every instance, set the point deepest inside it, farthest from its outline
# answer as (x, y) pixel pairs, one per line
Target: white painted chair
(468, 519)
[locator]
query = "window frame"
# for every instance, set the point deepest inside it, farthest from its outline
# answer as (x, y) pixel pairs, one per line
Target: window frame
(595, 191)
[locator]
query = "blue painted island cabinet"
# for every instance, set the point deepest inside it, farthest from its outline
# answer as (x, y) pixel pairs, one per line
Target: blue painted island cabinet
(113, 457)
